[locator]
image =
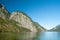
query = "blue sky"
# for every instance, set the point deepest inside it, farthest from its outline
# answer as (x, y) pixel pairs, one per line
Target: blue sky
(45, 12)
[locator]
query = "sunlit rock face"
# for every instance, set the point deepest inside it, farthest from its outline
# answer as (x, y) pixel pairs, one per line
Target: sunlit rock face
(3, 12)
(23, 20)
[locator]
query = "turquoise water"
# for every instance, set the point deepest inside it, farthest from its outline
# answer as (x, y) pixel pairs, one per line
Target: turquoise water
(30, 36)
(49, 36)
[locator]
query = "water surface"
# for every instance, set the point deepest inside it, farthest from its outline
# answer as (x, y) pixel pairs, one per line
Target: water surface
(30, 36)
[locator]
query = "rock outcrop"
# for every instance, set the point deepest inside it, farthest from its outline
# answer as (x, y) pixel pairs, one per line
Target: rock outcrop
(3, 12)
(23, 20)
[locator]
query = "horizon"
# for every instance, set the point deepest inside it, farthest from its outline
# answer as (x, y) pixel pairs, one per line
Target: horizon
(45, 12)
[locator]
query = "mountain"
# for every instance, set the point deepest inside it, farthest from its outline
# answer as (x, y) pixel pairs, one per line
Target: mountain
(3, 12)
(57, 28)
(17, 21)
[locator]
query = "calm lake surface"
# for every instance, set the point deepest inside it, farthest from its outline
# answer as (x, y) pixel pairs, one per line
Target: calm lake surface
(30, 36)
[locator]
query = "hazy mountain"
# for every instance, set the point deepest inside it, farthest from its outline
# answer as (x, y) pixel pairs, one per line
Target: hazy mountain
(57, 28)
(17, 21)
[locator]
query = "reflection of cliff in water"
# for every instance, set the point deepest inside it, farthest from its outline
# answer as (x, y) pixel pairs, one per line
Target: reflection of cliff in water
(18, 36)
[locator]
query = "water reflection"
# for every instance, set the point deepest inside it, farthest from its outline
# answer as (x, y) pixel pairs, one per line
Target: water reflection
(17, 36)
(30, 36)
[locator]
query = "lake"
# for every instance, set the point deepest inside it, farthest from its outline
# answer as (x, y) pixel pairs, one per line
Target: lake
(30, 36)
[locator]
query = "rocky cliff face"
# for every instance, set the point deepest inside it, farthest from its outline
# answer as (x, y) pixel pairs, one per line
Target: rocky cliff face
(17, 21)
(23, 20)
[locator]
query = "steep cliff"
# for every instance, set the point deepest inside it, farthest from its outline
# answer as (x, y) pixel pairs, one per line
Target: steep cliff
(23, 20)
(17, 22)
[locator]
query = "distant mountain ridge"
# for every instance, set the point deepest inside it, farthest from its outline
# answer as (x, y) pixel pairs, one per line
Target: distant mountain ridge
(17, 21)
(56, 29)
